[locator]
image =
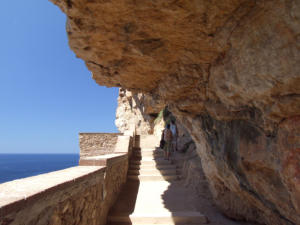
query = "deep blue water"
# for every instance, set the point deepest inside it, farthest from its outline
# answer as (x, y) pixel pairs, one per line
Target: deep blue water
(16, 166)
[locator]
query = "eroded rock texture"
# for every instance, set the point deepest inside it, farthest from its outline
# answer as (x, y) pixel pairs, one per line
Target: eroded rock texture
(251, 174)
(229, 71)
(137, 110)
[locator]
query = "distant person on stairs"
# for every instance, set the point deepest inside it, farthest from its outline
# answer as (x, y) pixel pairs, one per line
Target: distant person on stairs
(168, 141)
(174, 130)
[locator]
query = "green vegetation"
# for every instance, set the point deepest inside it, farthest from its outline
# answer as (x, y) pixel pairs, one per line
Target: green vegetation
(159, 117)
(166, 115)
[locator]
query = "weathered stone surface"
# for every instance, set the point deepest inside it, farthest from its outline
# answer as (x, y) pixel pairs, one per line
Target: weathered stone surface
(185, 142)
(238, 53)
(193, 174)
(247, 170)
(229, 71)
(93, 144)
(289, 151)
(68, 196)
(77, 195)
(137, 110)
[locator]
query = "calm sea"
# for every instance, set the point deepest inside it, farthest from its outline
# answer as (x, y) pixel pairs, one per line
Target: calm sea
(16, 166)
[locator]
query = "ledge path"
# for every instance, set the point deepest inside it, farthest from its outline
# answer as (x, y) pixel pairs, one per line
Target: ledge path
(154, 193)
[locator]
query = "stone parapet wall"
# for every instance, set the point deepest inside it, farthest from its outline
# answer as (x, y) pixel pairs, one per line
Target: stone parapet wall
(53, 198)
(116, 176)
(92, 144)
(122, 144)
(102, 160)
(77, 195)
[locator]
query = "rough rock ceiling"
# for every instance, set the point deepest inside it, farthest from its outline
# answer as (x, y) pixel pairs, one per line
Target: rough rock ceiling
(198, 55)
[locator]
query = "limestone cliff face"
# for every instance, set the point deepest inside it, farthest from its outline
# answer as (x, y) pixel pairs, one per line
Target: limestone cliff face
(136, 111)
(229, 71)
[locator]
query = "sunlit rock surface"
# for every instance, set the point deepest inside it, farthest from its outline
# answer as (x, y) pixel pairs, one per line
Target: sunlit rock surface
(136, 111)
(229, 71)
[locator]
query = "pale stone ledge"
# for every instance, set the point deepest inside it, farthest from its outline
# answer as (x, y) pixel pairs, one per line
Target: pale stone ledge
(77, 195)
(92, 144)
(102, 160)
(14, 192)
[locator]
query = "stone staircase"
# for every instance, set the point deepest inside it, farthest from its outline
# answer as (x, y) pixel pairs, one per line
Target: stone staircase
(149, 165)
(153, 193)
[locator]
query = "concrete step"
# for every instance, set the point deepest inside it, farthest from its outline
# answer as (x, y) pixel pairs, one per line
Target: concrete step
(150, 162)
(127, 223)
(160, 167)
(144, 149)
(148, 158)
(148, 141)
(159, 177)
(153, 172)
(148, 153)
(163, 218)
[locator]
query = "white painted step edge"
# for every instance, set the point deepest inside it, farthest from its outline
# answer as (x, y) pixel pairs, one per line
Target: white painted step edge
(188, 217)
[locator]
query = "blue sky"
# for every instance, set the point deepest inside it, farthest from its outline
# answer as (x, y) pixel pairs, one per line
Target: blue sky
(47, 95)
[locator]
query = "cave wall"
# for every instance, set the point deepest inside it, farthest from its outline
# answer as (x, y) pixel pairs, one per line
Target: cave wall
(252, 175)
(230, 73)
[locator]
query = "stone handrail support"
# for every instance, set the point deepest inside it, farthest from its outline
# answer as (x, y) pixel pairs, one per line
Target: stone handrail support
(78, 195)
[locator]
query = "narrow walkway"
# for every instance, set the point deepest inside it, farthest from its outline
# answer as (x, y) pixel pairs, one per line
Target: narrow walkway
(154, 194)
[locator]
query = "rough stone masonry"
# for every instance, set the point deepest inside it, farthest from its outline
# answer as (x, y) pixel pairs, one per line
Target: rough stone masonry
(228, 70)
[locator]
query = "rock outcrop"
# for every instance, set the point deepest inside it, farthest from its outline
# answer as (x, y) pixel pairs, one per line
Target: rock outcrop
(228, 70)
(136, 110)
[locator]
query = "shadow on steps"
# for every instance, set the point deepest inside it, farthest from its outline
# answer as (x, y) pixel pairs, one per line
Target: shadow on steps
(180, 195)
(144, 199)
(155, 194)
(127, 199)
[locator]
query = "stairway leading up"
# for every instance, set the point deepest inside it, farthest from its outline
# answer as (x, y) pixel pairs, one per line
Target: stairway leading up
(153, 193)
